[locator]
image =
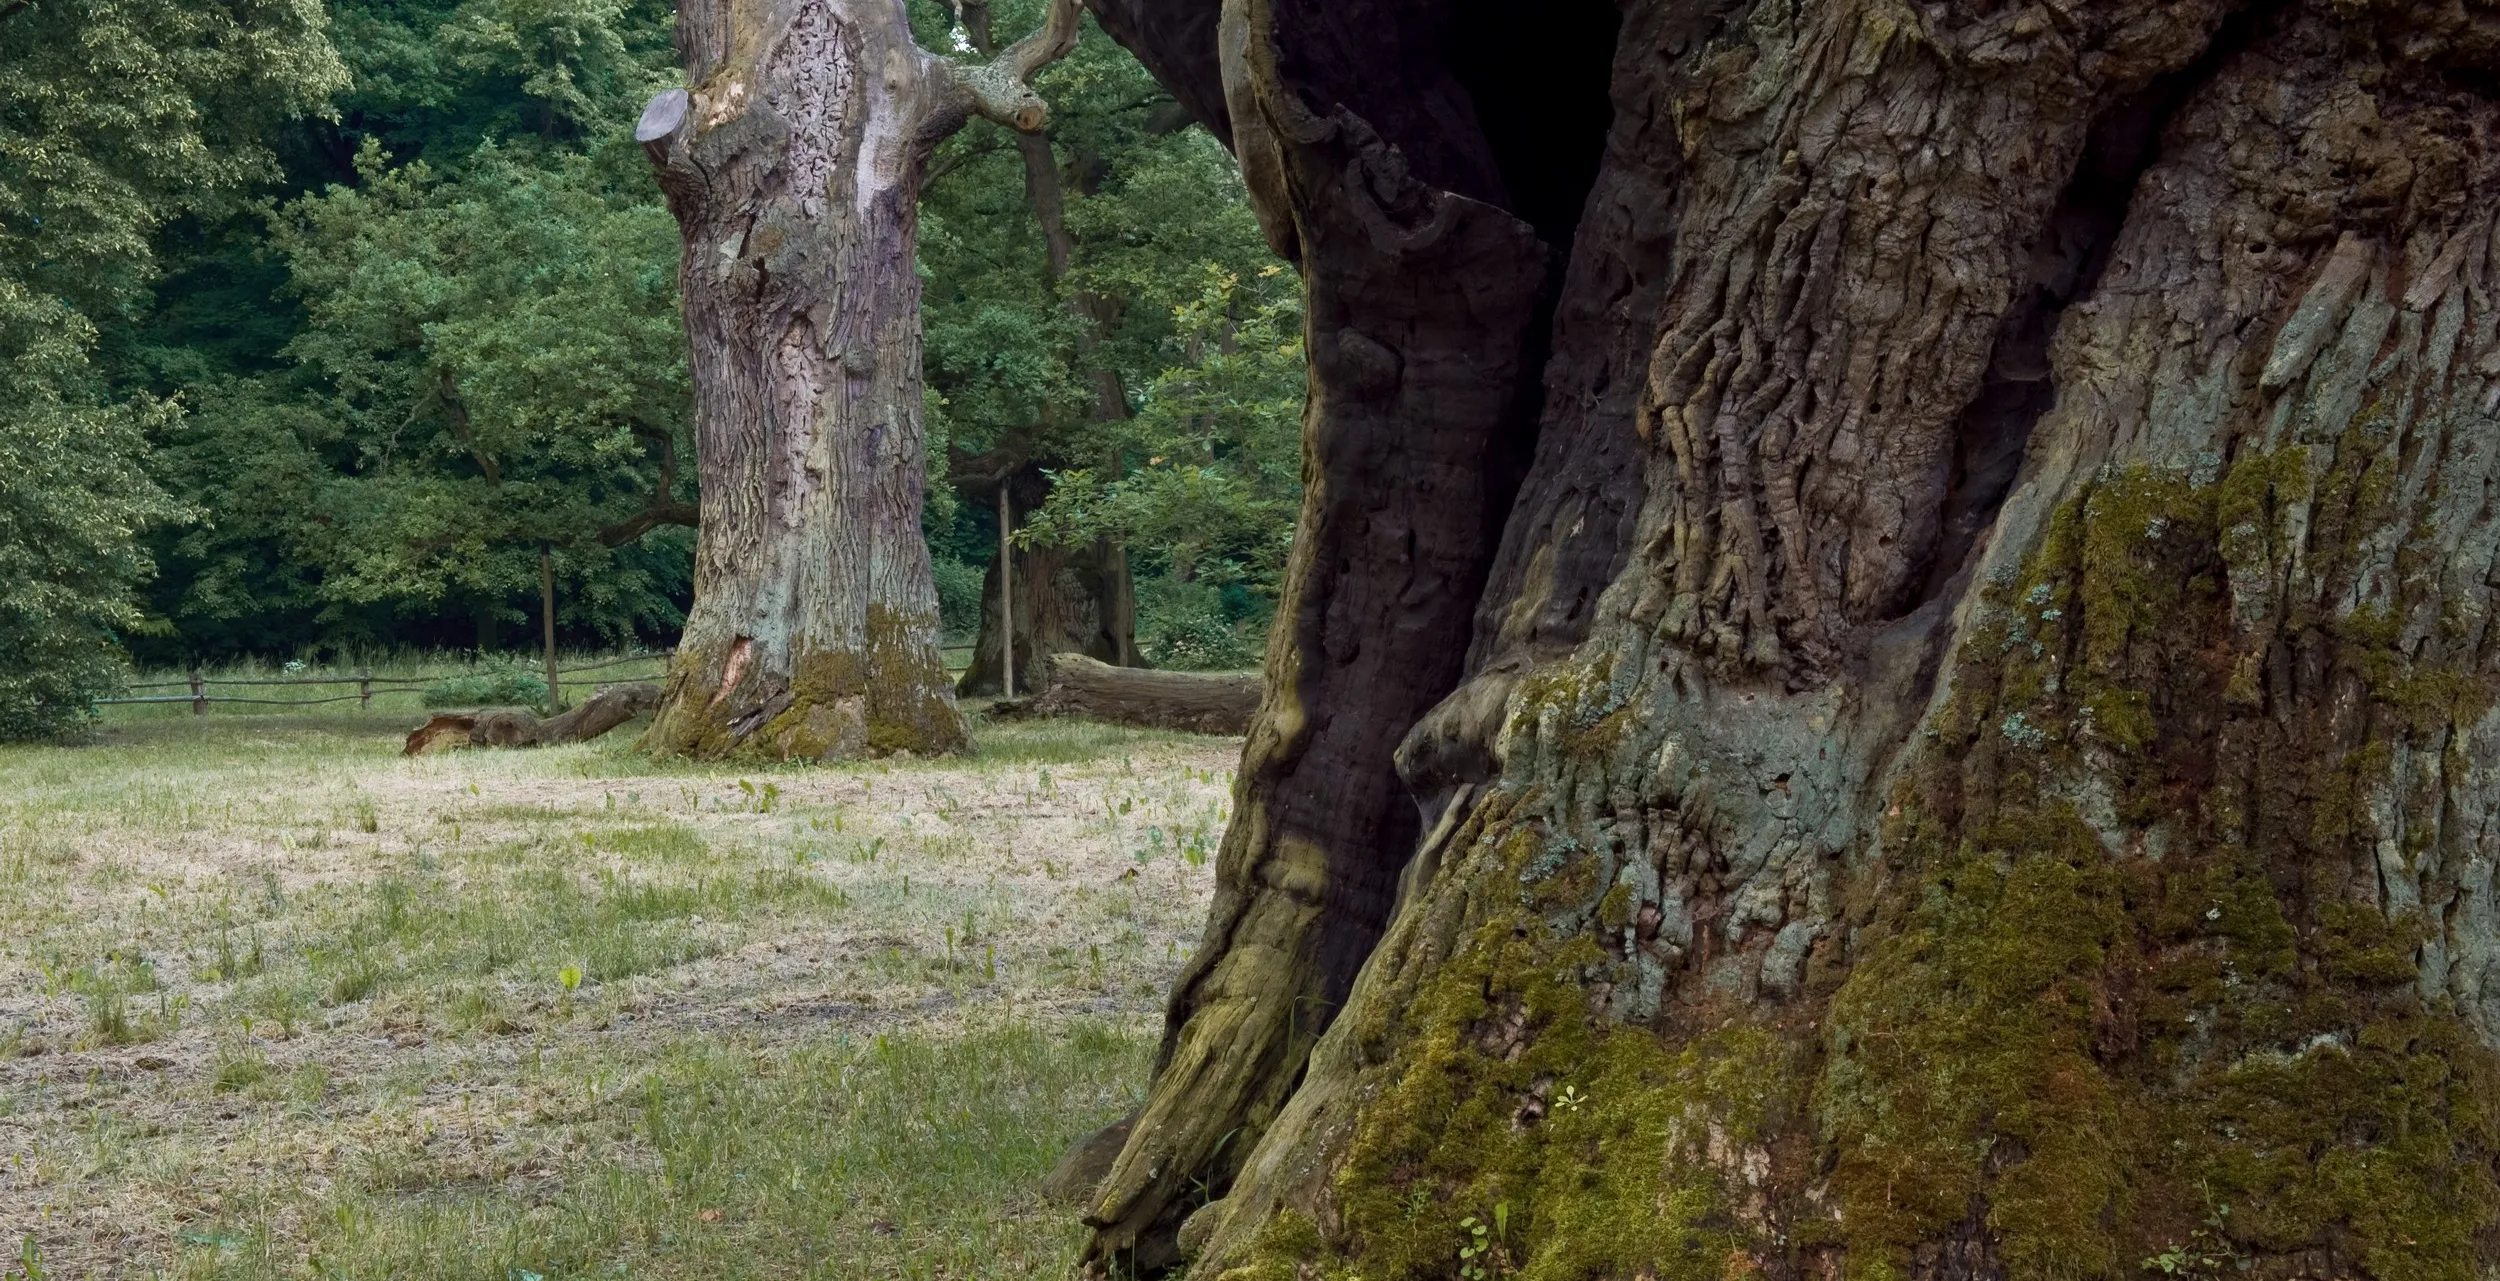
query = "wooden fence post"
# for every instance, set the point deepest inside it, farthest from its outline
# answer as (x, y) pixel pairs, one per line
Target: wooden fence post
(199, 692)
(547, 611)
(364, 687)
(1006, 598)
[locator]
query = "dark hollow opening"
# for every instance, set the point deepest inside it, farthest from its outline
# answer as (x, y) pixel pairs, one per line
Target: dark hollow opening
(1541, 90)
(1542, 93)
(2066, 261)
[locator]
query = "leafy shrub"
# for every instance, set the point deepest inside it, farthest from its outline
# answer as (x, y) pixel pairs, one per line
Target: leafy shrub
(1198, 626)
(495, 681)
(959, 595)
(72, 498)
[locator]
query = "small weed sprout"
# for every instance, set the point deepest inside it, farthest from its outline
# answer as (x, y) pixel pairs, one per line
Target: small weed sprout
(236, 1069)
(1475, 1239)
(2206, 1255)
(1480, 1248)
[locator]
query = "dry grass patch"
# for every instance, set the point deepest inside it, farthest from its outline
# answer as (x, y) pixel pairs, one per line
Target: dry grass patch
(275, 1001)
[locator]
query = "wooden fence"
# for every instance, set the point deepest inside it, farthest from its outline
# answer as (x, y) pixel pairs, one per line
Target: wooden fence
(367, 684)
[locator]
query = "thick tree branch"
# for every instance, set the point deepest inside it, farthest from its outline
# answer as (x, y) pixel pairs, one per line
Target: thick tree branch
(663, 509)
(16, 7)
(1176, 39)
(1002, 88)
(1046, 46)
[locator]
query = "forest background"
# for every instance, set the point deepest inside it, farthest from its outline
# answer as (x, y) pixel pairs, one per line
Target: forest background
(322, 323)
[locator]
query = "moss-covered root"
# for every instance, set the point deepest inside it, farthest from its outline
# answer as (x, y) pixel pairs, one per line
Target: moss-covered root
(2133, 972)
(886, 696)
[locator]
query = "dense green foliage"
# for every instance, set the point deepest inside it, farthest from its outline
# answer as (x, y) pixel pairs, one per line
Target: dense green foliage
(116, 117)
(322, 324)
(1207, 473)
(482, 361)
(1157, 382)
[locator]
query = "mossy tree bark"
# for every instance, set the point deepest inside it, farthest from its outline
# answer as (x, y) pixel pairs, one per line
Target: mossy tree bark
(793, 164)
(1976, 751)
(1423, 297)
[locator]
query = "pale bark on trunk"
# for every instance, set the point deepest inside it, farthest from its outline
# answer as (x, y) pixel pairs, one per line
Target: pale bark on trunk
(1977, 757)
(793, 164)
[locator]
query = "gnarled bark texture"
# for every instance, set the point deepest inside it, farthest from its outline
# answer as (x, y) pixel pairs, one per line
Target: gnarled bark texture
(1976, 754)
(793, 165)
(1423, 300)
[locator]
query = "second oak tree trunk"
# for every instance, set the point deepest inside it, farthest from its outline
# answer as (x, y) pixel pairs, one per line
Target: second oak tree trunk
(793, 163)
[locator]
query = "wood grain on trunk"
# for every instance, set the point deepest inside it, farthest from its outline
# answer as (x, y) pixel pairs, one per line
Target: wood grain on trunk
(1200, 702)
(792, 163)
(1974, 754)
(594, 716)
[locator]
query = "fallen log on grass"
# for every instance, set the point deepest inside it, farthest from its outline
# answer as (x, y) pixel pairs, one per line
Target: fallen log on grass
(604, 711)
(1201, 702)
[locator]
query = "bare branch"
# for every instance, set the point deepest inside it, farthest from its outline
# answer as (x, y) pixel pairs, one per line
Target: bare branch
(1002, 88)
(662, 511)
(1046, 46)
(958, 160)
(664, 508)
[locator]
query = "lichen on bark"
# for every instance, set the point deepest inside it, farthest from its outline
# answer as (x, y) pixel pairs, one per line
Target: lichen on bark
(2122, 886)
(792, 162)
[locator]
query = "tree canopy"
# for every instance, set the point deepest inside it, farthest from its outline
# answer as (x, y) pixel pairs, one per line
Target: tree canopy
(326, 321)
(1100, 347)
(117, 118)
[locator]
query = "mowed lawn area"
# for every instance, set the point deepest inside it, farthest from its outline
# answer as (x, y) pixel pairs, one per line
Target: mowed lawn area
(276, 1001)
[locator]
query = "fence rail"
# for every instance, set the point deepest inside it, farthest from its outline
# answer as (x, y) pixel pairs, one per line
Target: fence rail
(367, 684)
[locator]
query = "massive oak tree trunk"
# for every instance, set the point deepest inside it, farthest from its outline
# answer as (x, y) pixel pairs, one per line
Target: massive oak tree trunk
(1975, 754)
(793, 163)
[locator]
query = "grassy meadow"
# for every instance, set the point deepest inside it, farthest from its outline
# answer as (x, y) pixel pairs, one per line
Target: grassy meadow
(276, 1001)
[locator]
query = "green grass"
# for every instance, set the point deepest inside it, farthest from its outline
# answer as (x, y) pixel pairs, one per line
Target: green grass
(900, 1157)
(281, 1002)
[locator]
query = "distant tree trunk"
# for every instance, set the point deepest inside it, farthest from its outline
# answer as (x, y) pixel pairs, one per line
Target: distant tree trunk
(482, 612)
(1115, 604)
(793, 167)
(1067, 601)
(1103, 623)
(547, 626)
(1975, 756)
